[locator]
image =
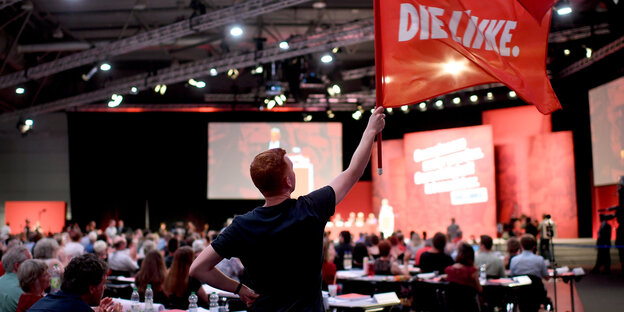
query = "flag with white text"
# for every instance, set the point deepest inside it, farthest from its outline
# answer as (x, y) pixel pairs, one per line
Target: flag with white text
(427, 48)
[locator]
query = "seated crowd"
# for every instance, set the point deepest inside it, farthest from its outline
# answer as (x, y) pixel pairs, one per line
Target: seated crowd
(162, 259)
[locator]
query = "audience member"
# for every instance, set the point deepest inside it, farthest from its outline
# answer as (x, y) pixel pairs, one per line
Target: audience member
(513, 249)
(48, 250)
(82, 288)
(178, 285)
(152, 272)
(33, 279)
(494, 266)
(528, 263)
(452, 230)
(10, 291)
(463, 271)
(603, 257)
(111, 230)
(373, 249)
(344, 246)
(328, 271)
(529, 227)
(74, 248)
(416, 243)
(100, 249)
(547, 231)
(91, 238)
(427, 246)
(172, 246)
(385, 264)
(360, 251)
(119, 260)
(435, 259)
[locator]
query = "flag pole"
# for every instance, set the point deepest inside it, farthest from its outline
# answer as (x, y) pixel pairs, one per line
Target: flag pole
(378, 76)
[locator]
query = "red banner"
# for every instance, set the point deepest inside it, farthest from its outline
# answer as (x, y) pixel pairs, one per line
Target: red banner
(427, 48)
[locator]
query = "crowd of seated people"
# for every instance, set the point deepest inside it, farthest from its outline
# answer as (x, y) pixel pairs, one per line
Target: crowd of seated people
(162, 260)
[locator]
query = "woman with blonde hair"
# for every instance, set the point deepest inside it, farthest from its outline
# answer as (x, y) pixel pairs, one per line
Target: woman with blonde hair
(152, 272)
(33, 279)
(178, 285)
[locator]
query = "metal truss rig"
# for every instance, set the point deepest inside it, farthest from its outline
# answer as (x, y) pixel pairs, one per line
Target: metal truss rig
(154, 37)
(344, 35)
(6, 3)
(599, 54)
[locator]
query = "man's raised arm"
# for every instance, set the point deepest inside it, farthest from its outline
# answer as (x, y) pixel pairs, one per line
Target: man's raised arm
(343, 183)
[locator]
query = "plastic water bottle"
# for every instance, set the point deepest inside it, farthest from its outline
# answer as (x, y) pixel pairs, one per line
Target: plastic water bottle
(55, 278)
(348, 261)
(482, 274)
(214, 302)
(193, 302)
(149, 299)
(135, 305)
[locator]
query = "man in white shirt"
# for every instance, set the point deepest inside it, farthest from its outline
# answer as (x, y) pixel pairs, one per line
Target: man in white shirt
(547, 231)
(74, 248)
(120, 260)
(111, 230)
(494, 266)
(528, 263)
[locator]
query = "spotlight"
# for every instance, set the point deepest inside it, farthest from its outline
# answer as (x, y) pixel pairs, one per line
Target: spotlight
(330, 114)
(20, 90)
(283, 97)
(271, 104)
(307, 117)
(405, 109)
(474, 98)
(588, 52)
(134, 90)
(327, 58)
(334, 90)
(390, 111)
(422, 106)
(566, 52)
(258, 70)
(439, 104)
(356, 115)
(563, 8)
(489, 96)
(236, 31)
(24, 126)
(456, 100)
(105, 67)
(233, 73)
(160, 89)
(213, 72)
(512, 94)
(115, 100)
(319, 4)
(335, 50)
(360, 108)
(200, 84)
(284, 45)
(279, 100)
(90, 74)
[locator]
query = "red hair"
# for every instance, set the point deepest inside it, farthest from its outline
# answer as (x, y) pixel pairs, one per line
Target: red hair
(267, 171)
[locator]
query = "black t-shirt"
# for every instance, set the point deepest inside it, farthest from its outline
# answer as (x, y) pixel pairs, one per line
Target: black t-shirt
(281, 248)
(430, 262)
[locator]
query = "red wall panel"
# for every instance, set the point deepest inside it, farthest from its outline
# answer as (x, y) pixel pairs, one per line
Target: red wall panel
(49, 215)
(603, 197)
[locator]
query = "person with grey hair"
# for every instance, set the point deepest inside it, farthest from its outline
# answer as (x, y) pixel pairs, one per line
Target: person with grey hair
(100, 249)
(9, 283)
(46, 248)
(33, 279)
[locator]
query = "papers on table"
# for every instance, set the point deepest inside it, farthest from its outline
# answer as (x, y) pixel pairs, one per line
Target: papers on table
(379, 300)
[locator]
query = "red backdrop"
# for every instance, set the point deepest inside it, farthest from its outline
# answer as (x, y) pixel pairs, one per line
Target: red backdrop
(603, 197)
(50, 215)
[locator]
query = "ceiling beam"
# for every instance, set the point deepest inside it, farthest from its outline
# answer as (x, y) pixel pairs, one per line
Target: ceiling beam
(153, 37)
(597, 55)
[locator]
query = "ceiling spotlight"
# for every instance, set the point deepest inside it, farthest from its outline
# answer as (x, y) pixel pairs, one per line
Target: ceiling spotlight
(24, 126)
(134, 90)
(271, 104)
(319, 4)
(20, 90)
(390, 111)
(105, 67)
(489, 96)
(115, 100)
(258, 70)
(284, 45)
(160, 88)
(334, 90)
(512, 94)
(566, 51)
(236, 31)
(213, 72)
(330, 114)
(200, 84)
(357, 115)
(474, 98)
(307, 117)
(327, 58)
(283, 97)
(422, 106)
(233, 73)
(563, 8)
(335, 50)
(456, 100)
(279, 100)
(405, 109)
(439, 104)
(588, 52)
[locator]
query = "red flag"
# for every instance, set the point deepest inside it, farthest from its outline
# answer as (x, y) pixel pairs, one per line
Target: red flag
(427, 48)
(537, 8)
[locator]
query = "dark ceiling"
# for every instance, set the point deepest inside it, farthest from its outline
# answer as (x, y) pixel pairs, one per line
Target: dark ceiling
(43, 31)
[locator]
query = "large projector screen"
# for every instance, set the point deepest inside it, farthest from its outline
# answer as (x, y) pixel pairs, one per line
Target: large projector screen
(314, 148)
(606, 107)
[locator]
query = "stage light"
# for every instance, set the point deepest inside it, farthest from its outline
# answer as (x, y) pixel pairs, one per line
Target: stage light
(160, 88)
(213, 72)
(319, 4)
(563, 8)
(489, 96)
(422, 106)
(456, 100)
(588, 52)
(233, 73)
(283, 97)
(115, 100)
(334, 90)
(566, 51)
(24, 126)
(284, 45)
(279, 100)
(356, 115)
(20, 90)
(474, 98)
(200, 84)
(258, 70)
(389, 110)
(90, 74)
(271, 104)
(439, 104)
(330, 114)
(327, 58)
(335, 50)
(405, 109)
(454, 67)
(372, 110)
(105, 67)
(307, 117)
(236, 31)
(512, 94)
(134, 90)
